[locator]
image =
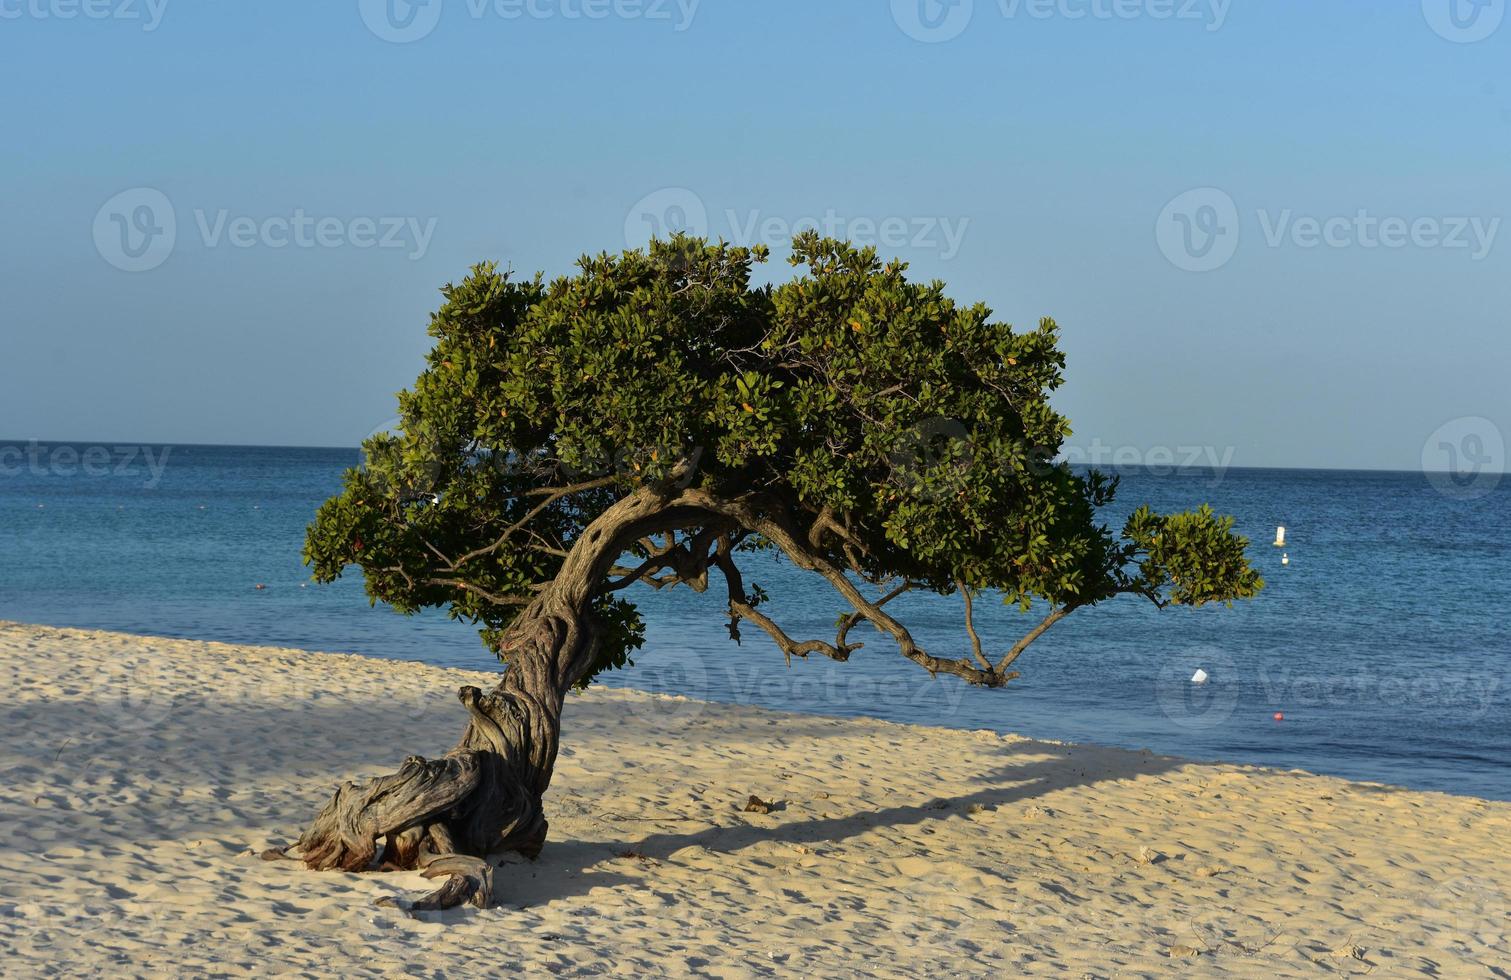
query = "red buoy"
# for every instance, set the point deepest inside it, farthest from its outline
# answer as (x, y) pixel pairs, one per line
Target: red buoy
(1280, 716)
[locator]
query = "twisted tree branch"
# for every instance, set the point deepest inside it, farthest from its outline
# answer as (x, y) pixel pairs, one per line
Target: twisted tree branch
(740, 608)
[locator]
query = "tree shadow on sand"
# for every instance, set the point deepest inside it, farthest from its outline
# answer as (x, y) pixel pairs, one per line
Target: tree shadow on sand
(574, 867)
(99, 781)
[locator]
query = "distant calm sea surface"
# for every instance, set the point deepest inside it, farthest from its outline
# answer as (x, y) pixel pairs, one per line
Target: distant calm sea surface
(1386, 642)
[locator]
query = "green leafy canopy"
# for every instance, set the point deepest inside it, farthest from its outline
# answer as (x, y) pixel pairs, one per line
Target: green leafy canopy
(901, 438)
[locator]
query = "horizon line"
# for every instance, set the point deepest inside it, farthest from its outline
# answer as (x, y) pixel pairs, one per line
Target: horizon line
(113, 443)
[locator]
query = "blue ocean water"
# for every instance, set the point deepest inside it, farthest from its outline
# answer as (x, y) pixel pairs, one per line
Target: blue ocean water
(1385, 642)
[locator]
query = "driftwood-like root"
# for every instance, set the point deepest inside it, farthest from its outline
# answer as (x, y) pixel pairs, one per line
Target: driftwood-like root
(469, 880)
(445, 816)
(344, 836)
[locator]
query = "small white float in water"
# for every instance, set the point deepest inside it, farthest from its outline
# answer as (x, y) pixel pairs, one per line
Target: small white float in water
(1285, 559)
(1280, 537)
(1200, 677)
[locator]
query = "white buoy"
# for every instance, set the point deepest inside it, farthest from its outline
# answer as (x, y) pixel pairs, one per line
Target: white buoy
(1200, 677)
(1285, 559)
(1280, 537)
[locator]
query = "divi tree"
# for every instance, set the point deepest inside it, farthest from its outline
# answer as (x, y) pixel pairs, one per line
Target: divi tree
(654, 419)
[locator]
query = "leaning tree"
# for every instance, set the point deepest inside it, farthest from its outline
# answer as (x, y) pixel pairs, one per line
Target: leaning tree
(656, 418)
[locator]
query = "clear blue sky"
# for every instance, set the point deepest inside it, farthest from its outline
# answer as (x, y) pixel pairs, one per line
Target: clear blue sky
(1055, 141)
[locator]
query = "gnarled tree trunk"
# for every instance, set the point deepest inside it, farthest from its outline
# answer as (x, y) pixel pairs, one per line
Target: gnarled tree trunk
(446, 816)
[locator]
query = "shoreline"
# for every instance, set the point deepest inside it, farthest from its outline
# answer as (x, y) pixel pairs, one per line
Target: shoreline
(486, 678)
(143, 775)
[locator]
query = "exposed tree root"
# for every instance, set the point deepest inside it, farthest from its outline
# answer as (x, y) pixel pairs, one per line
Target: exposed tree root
(468, 879)
(446, 817)
(443, 817)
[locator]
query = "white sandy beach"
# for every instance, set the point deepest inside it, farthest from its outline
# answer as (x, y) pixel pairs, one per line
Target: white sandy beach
(143, 776)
